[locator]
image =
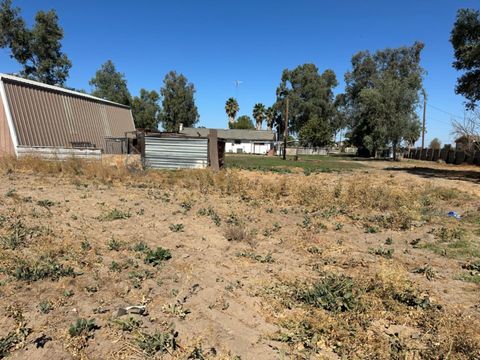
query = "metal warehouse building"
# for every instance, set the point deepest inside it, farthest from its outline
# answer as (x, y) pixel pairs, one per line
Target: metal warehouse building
(36, 118)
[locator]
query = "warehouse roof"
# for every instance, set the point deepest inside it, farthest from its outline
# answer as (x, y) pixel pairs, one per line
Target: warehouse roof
(33, 114)
(57, 88)
(233, 134)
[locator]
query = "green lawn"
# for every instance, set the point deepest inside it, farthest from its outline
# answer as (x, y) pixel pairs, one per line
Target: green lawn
(308, 163)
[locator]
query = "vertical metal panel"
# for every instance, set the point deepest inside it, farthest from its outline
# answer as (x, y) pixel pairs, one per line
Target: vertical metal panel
(175, 153)
(6, 143)
(49, 118)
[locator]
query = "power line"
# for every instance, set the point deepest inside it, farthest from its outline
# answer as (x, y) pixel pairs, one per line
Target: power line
(438, 120)
(445, 112)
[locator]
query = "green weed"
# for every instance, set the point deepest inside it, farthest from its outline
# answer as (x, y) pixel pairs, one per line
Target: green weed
(83, 327)
(41, 270)
(156, 257)
(176, 227)
(45, 203)
(333, 293)
(129, 324)
(158, 342)
(116, 214)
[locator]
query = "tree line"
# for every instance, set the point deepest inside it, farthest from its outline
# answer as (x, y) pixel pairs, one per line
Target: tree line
(382, 94)
(38, 51)
(377, 108)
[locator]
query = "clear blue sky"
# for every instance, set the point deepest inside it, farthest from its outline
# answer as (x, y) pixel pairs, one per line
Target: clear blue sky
(214, 43)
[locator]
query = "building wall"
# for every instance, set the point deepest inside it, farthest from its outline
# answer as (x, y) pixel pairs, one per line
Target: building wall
(6, 144)
(247, 147)
(48, 118)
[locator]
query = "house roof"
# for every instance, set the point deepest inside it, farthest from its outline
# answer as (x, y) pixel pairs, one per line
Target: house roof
(57, 89)
(233, 134)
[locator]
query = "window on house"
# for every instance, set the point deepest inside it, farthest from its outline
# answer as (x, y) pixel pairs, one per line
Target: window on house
(238, 141)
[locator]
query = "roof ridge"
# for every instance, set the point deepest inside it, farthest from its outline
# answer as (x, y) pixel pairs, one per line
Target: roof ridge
(58, 88)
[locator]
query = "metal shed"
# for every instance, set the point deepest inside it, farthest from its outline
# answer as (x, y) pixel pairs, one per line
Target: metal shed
(38, 118)
(177, 151)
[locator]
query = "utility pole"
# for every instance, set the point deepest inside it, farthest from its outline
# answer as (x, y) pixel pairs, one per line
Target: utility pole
(285, 133)
(424, 116)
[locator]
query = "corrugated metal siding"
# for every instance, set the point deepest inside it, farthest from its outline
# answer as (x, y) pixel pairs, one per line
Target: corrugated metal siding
(59, 153)
(6, 144)
(175, 153)
(48, 118)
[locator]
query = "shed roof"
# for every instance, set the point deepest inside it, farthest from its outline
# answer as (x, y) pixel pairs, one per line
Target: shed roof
(233, 134)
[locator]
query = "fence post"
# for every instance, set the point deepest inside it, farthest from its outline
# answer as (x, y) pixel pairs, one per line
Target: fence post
(213, 150)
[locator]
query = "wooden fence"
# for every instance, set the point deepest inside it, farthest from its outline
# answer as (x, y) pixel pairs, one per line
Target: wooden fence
(450, 156)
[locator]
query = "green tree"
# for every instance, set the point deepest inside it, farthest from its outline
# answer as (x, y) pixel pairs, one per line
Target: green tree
(109, 84)
(413, 132)
(178, 103)
(435, 144)
(465, 38)
(146, 109)
(270, 116)
(243, 122)
(310, 95)
(339, 117)
(315, 133)
(259, 115)
(382, 93)
(38, 50)
(231, 108)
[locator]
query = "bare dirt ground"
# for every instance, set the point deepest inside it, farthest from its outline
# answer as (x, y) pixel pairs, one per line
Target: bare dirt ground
(362, 264)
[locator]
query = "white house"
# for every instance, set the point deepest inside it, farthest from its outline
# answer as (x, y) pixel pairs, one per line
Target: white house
(239, 141)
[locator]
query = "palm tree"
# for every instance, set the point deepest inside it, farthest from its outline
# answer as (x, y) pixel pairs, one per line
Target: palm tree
(270, 117)
(231, 108)
(259, 114)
